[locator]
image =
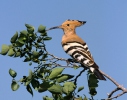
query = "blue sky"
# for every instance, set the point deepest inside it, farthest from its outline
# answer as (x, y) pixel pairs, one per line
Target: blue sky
(105, 33)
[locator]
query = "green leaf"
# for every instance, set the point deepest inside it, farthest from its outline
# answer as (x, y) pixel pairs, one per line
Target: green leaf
(30, 28)
(28, 25)
(27, 82)
(93, 91)
(39, 40)
(80, 88)
(44, 34)
(18, 44)
(55, 89)
(12, 73)
(29, 78)
(55, 72)
(36, 60)
(35, 84)
(23, 33)
(41, 29)
(47, 38)
(14, 38)
(47, 98)
(64, 77)
(11, 52)
(41, 71)
(34, 37)
(22, 39)
(59, 97)
(29, 89)
(4, 49)
(27, 59)
(30, 75)
(69, 87)
(17, 54)
(44, 86)
(92, 83)
(14, 86)
(10, 46)
(75, 67)
(79, 98)
(35, 54)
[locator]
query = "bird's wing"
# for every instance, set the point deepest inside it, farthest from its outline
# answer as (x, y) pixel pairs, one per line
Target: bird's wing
(84, 57)
(80, 53)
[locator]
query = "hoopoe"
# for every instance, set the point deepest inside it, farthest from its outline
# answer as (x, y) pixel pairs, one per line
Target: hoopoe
(76, 47)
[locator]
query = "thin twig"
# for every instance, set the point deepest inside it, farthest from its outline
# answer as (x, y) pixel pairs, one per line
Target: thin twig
(75, 80)
(118, 95)
(56, 57)
(109, 95)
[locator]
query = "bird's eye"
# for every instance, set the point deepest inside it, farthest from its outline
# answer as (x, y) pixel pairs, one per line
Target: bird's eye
(67, 24)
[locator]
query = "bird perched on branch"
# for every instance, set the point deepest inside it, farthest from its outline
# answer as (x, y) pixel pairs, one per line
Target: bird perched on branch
(76, 47)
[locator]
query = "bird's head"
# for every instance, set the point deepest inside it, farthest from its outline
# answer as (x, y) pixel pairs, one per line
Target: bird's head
(69, 25)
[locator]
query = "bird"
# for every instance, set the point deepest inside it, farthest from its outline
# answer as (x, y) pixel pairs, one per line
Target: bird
(76, 47)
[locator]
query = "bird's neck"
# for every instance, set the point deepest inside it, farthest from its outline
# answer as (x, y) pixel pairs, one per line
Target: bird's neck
(69, 32)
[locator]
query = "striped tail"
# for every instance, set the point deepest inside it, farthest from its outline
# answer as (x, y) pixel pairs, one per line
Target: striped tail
(97, 73)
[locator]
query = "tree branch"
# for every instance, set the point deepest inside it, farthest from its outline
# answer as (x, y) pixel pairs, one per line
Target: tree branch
(119, 87)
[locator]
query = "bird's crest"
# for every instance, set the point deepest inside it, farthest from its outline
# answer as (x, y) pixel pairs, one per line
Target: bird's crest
(75, 23)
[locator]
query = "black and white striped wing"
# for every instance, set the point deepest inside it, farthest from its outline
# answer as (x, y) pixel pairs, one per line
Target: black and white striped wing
(80, 52)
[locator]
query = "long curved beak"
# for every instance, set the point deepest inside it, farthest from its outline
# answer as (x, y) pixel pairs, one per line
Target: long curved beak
(53, 28)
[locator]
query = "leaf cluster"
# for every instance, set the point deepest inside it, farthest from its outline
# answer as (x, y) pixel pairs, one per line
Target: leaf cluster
(27, 44)
(48, 75)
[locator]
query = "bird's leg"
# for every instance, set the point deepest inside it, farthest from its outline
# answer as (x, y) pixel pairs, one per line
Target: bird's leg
(72, 60)
(75, 61)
